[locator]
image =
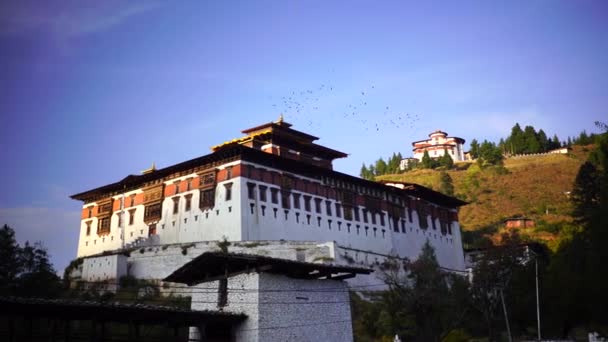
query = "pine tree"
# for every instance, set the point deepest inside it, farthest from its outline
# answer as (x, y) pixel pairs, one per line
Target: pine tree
(446, 160)
(555, 143)
(25, 271)
(426, 162)
(543, 141)
(489, 154)
(583, 139)
(10, 265)
(474, 151)
(364, 173)
(585, 194)
(515, 142)
(446, 185)
(531, 144)
(381, 167)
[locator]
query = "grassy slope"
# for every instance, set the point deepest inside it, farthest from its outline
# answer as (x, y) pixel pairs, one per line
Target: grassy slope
(534, 187)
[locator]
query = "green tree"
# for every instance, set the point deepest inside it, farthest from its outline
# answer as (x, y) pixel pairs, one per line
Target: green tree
(492, 273)
(583, 139)
(38, 278)
(543, 141)
(555, 142)
(585, 194)
(489, 154)
(515, 142)
(446, 185)
(579, 285)
(25, 271)
(446, 160)
(474, 151)
(365, 173)
(10, 265)
(531, 143)
(381, 167)
(425, 302)
(427, 162)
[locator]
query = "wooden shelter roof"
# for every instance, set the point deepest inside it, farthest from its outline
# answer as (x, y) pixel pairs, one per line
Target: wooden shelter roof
(213, 266)
(111, 311)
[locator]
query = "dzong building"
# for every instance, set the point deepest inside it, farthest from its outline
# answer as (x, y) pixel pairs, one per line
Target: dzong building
(271, 192)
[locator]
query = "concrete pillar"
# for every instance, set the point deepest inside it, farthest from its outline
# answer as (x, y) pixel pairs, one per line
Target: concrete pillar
(197, 333)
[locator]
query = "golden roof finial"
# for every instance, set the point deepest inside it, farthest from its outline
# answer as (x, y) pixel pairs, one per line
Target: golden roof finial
(150, 170)
(280, 118)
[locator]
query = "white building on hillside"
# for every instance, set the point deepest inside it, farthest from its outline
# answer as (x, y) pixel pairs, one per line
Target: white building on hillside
(437, 144)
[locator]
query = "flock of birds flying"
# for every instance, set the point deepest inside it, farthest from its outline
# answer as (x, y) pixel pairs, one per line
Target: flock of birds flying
(304, 105)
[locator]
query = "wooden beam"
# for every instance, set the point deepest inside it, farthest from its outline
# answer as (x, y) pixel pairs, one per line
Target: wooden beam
(344, 276)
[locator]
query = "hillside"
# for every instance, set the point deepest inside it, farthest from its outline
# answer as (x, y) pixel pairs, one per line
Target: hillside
(533, 186)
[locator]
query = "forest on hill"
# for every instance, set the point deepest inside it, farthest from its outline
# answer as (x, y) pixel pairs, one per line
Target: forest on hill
(511, 178)
(568, 195)
(535, 187)
(526, 141)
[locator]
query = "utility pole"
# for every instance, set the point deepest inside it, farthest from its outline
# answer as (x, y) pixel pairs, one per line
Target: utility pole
(537, 298)
(504, 308)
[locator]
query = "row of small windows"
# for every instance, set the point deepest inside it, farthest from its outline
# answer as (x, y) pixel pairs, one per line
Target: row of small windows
(339, 224)
(319, 203)
(346, 211)
(103, 224)
(154, 211)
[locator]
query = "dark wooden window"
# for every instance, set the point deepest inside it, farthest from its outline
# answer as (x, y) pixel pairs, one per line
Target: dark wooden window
(207, 180)
(274, 195)
(152, 229)
(175, 205)
(348, 213)
(251, 191)
(153, 212)
(105, 208)
(356, 211)
(422, 215)
(88, 223)
(338, 210)
(318, 205)
(131, 200)
(228, 172)
(285, 199)
(307, 203)
(328, 207)
(188, 202)
(228, 187)
(207, 199)
(103, 226)
(263, 189)
(296, 201)
(131, 216)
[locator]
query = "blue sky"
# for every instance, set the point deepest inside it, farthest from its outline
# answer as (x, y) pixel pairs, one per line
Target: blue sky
(93, 91)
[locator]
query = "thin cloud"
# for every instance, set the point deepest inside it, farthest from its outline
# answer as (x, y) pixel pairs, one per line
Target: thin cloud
(68, 19)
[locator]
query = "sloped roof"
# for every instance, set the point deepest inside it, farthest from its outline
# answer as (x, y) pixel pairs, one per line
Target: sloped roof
(212, 266)
(111, 311)
(420, 191)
